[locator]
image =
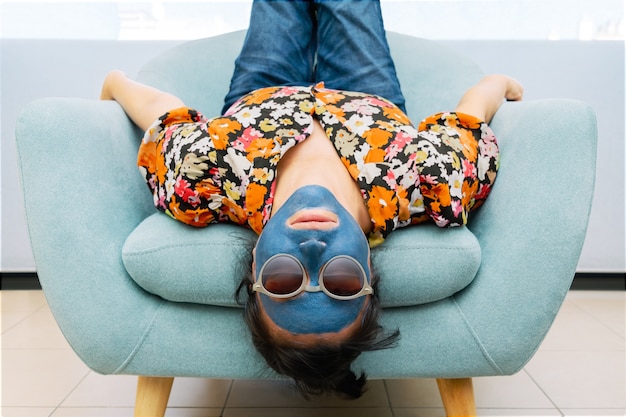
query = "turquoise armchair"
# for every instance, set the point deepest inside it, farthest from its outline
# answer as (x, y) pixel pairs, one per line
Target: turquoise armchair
(472, 301)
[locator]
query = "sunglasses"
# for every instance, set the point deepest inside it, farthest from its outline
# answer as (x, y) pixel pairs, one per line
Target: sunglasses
(283, 276)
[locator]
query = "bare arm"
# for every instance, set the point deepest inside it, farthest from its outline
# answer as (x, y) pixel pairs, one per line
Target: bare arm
(483, 99)
(143, 104)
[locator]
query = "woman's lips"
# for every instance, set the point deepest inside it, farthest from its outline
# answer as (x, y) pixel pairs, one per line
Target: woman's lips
(313, 219)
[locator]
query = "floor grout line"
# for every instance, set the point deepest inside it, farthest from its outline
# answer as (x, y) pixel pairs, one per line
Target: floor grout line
(556, 407)
(393, 414)
(228, 392)
(60, 405)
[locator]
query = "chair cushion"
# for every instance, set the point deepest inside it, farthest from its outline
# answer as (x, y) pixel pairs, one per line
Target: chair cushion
(180, 263)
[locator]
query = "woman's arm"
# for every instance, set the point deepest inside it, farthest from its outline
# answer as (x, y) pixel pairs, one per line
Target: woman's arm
(143, 104)
(483, 99)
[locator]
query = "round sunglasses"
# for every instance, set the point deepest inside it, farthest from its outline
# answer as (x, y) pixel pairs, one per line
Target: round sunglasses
(284, 276)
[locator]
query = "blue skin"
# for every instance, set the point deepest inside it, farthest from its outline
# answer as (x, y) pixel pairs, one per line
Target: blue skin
(312, 312)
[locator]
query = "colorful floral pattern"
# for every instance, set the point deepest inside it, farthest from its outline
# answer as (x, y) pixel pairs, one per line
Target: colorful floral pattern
(203, 171)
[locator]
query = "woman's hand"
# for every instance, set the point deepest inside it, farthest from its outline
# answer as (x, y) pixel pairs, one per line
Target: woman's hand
(514, 90)
(483, 99)
(142, 103)
(110, 81)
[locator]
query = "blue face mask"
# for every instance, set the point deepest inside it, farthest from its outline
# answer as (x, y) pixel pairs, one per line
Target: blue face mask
(312, 312)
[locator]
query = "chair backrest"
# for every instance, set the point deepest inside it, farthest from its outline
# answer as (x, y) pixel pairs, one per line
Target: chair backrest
(433, 77)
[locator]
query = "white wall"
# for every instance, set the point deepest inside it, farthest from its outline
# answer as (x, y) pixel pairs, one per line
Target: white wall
(594, 73)
(589, 71)
(31, 69)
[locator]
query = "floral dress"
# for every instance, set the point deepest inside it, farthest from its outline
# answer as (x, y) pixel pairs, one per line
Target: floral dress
(202, 171)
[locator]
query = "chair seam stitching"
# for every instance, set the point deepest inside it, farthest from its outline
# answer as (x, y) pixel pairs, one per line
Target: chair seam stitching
(141, 341)
(474, 334)
(175, 246)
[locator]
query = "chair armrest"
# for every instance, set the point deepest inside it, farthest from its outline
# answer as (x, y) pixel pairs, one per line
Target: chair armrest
(531, 231)
(532, 227)
(77, 243)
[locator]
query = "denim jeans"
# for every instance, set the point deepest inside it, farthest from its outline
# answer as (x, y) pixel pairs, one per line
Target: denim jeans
(302, 42)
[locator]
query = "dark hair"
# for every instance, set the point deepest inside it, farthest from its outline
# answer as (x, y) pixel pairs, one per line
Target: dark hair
(321, 368)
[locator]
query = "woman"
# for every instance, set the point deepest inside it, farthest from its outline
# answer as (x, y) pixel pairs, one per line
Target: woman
(320, 172)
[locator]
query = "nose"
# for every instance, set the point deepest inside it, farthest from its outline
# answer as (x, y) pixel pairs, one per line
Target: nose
(312, 249)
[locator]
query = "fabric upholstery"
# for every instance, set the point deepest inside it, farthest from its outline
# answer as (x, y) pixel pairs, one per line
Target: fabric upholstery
(205, 265)
(530, 231)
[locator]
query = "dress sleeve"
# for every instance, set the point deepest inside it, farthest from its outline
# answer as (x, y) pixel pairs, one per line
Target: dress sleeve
(149, 159)
(458, 159)
(183, 158)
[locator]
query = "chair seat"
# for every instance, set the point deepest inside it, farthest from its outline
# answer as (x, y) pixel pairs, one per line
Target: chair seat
(205, 265)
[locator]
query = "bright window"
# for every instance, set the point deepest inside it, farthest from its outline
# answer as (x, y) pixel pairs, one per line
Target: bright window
(434, 19)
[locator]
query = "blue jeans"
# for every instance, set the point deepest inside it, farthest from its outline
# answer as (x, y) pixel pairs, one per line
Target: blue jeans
(301, 42)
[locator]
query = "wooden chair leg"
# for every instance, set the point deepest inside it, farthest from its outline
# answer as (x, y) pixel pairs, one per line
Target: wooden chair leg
(152, 396)
(457, 396)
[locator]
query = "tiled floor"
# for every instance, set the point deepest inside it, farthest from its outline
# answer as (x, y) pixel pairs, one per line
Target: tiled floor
(580, 370)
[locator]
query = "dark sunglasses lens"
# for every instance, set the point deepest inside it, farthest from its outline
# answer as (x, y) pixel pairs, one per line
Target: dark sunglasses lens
(343, 277)
(282, 275)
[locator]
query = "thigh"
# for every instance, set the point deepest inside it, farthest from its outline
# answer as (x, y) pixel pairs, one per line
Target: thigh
(353, 53)
(279, 48)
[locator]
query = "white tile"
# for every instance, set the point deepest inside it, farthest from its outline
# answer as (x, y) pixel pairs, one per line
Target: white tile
(25, 301)
(608, 307)
(39, 378)
(501, 392)
(193, 412)
(412, 393)
(129, 412)
(512, 412)
(418, 412)
(272, 393)
(577, 296)
(12, 318)
(26, 411)
(594, 413)
(581, 380)
(93, 412)
(576, 330)
(103, 391)
(199, 392)
(15, 306)
(507, 392)
(120, 391)
(308, 412)
(37, 331)
(480, 412)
